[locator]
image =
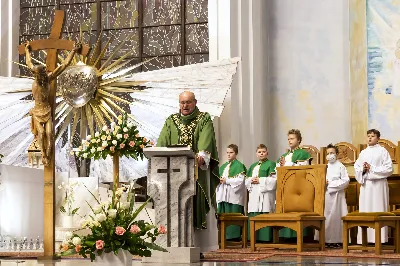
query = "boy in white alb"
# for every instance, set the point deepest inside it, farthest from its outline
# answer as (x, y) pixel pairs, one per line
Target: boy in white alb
(372, 169)
(262, 190)
(337, 181)
(231, 191)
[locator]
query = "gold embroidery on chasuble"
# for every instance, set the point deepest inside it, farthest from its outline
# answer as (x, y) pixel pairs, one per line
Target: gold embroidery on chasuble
(186, 132)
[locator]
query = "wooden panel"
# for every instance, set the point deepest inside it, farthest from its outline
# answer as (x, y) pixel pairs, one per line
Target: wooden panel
(390, 147)
(394, 190)
(348, 153)
(352, 194)
(314, 152)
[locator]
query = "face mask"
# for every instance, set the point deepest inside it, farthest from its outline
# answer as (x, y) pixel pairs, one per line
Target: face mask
(331, 158)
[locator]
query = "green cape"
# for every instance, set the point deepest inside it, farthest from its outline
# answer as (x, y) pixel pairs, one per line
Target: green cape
(235, 168)
(197, 131)
(266, 168)
(299, 155)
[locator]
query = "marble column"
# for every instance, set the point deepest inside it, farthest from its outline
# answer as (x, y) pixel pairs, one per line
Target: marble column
(9, 37)
(240, 28)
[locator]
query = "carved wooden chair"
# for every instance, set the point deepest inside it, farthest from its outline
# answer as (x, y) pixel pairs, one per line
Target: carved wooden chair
(300, 197)
(314, 152)
(227, 219)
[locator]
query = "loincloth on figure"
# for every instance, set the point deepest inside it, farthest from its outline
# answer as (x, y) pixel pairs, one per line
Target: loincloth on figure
(41, 114)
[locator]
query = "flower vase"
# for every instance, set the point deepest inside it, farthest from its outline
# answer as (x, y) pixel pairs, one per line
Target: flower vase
(124, 258)
(116, 168)
(67, 221)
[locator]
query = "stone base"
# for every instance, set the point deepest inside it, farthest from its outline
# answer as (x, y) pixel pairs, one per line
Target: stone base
(181, 255)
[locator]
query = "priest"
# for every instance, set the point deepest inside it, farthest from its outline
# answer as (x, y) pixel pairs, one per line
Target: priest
(195, 129)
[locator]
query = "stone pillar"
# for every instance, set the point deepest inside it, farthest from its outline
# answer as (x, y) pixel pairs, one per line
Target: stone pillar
(240, 28)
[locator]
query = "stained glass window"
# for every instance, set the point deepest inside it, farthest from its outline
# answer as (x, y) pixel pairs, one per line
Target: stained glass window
(172, 32)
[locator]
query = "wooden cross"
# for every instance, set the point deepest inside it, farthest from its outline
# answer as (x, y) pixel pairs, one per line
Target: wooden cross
(52, 45)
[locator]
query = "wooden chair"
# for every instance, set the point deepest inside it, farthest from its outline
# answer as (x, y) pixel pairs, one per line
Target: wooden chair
(314, 152)
(375, 220)
(227, 219)
(300, 199)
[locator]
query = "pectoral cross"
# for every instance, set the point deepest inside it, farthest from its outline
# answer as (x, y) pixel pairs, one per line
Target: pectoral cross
(52, 45)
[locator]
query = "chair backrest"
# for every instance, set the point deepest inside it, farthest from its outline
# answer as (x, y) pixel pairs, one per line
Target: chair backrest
(314, 152)
(391, 148)
(301, 189)
(348, 153)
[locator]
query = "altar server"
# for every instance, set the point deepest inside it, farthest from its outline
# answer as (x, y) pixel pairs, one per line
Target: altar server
(337, 181)
(262, 189)
(372, 169)
(231, 191)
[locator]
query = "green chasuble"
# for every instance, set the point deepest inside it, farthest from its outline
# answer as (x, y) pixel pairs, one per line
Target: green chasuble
(197, 131)
(299, 155)
(235, 168)
(266, 168)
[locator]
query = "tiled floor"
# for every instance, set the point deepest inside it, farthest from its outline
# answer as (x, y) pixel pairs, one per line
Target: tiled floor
(275, 260)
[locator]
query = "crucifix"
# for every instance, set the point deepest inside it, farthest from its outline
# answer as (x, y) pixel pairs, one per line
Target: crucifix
(52, 45)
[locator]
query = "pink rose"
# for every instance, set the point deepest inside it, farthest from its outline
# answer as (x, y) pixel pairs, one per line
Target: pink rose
(78, 248)
(126, 136)
(134, 229)
(122, 145)
(99, 244)
(112, 148)
(162, 229)
(131, 143)
(152, 143)
(119, 230)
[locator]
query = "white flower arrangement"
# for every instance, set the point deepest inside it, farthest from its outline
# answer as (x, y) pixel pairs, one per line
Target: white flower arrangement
(120, 138)
(113, 226)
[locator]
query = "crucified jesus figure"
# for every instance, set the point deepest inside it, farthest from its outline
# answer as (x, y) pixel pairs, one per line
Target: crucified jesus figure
(42, 121)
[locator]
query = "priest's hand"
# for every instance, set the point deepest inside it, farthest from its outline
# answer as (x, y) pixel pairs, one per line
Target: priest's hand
(222, 180)
(255, 180)
(282, 161)
(200, 160)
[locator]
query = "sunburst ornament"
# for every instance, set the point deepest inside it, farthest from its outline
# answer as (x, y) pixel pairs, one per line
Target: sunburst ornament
(87, 91)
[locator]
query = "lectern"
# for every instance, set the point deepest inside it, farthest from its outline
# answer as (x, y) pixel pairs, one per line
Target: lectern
(171, 183)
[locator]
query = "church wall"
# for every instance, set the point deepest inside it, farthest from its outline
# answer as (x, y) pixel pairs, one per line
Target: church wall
(294, 72)
(309, 72)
